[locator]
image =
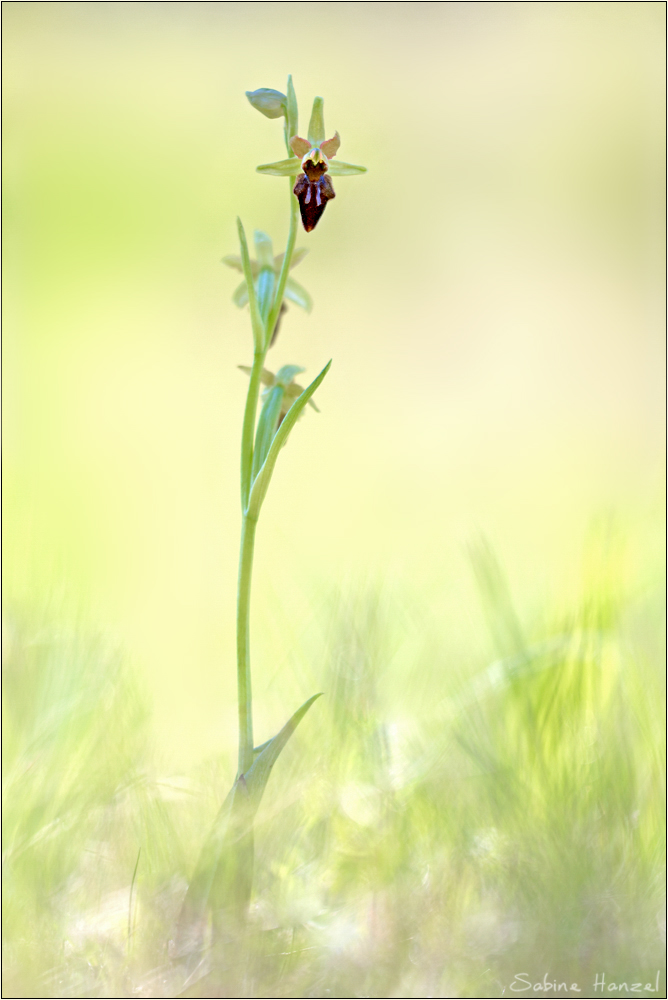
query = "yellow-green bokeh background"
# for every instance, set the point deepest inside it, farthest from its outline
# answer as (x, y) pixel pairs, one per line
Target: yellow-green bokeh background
(490, 292)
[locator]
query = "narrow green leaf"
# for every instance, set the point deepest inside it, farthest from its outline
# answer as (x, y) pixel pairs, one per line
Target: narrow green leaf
(316, 127)
(282, 168)
(266, 427)
(338, 168)
(258, 774)
(221, 882)
(291, 393)
(261, 484)
(297, 294)
(256, 321)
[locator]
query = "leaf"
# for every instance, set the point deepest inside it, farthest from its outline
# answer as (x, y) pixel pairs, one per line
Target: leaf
(282, 168)
(221, 883)
(338, 168)
(257, 775)
(263, 746)
(261, 484)
(316, 127)
(266, 427)
(295, 293)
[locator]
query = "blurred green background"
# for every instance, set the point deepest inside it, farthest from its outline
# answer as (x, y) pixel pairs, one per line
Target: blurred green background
(491, 293)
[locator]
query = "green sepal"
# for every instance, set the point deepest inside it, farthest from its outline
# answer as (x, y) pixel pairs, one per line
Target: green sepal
(282, 168)
(294, 292)
(266, 377)
(233, 261)
(266, 284)
(266, 426)
(263, 478)
(285, 375)
(292, 118)
(338, 168)
(271, 103)
(256, 320)
(316, 127)
(290, 168)
(297, 257)
(264, 249)
(240, 296)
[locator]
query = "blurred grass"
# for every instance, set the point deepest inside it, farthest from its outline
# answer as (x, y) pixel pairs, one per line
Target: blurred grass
(479, 790)
(419, 839)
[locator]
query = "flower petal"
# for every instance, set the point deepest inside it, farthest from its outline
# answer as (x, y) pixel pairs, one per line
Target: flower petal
(330, 146)
(299, 146)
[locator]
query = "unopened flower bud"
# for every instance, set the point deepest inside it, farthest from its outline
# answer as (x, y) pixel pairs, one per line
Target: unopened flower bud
(272, 103)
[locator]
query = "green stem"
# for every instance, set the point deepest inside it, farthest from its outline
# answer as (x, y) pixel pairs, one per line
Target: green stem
(248, 431)
(243, 645)
(249, 523)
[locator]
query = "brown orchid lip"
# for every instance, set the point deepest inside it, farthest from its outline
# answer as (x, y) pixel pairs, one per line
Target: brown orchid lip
(313, 193)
